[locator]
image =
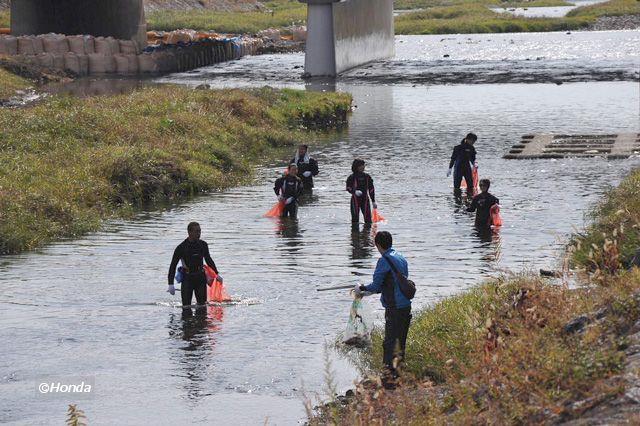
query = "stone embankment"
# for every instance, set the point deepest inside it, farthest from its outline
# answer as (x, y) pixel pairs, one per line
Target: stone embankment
(609, 23)
(85, 55)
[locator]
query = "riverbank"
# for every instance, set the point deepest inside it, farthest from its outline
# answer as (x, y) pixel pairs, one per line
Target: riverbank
(10, 84)
(521, 349)
(71, 163)
(478, 18)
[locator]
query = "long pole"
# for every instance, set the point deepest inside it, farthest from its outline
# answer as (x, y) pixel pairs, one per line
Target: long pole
(340, 287)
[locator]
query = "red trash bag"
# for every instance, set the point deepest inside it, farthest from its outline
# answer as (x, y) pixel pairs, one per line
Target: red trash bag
(276, 210)
(377, 217)
(496, 219)
(475, 178)
(216, 291)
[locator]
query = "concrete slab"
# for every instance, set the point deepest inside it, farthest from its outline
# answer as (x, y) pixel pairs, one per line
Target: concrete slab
(610, 146)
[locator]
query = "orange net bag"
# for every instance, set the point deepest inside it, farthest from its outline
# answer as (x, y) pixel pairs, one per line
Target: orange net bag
(377, 217)
(216, 291)
(496, 219)
(276, 210)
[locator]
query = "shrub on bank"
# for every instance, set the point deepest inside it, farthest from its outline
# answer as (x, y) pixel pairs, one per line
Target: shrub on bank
(610, 8)
(612, 239)
(68, 163)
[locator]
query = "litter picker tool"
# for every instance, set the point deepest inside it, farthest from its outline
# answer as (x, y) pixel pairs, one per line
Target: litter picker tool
(340, 287)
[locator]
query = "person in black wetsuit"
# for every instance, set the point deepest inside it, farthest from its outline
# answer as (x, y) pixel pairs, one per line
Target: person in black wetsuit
(288, 188)
(482, 204)
(307, 167)
(360, 186)
(463, 159)
(192, 252)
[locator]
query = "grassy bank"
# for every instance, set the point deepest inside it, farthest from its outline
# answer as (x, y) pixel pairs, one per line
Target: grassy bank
(613, 237)
(424, 4)
(467, 19)
(279, 14)
(518, 350)
(10, 83)
(476, 17)
(69, 163)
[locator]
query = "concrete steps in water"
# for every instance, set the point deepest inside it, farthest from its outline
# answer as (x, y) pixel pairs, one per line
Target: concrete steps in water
(611, 146)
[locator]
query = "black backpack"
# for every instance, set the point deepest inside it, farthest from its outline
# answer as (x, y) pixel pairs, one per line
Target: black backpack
(407, 287)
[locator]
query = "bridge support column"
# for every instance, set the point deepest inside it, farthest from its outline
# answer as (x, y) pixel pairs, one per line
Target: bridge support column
(122, 19)
(346, 34)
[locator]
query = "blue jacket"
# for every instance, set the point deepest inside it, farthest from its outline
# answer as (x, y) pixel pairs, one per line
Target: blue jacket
(390, 298)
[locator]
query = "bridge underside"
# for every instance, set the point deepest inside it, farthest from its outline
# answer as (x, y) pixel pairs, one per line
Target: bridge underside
(123, 19)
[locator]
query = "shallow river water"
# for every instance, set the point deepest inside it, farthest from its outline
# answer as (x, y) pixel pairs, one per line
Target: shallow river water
(95, 307)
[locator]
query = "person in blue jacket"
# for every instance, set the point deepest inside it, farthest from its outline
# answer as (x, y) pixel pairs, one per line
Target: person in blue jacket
(397, 313)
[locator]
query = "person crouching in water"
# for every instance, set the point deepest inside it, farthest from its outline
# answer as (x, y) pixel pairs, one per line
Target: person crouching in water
(360, 186)
(482, 204)
(288, 188)
(193, 252)
(307, 167)
(397, 307)
(463, 159)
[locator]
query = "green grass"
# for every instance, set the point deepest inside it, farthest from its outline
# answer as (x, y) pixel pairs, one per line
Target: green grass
(281, 14)
(5, 19)
(610, 8)
(10, 83)
(613, 236)
(466, 19)
(425, 4)
(69, 163)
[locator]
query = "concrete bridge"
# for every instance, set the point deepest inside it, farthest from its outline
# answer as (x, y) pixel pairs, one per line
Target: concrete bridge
(121, 19)
(341, 34)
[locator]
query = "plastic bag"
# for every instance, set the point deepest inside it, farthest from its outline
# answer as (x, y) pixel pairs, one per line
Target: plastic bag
(377, 217)
(276, 210)
(216, 291)
(359, 326)
(475, 178)
(179, 275)
(496, 219)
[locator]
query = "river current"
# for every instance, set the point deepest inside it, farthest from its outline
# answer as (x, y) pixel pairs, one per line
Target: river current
(96, 306)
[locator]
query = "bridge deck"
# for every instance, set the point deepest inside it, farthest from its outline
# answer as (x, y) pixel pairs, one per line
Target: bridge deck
(561, 146)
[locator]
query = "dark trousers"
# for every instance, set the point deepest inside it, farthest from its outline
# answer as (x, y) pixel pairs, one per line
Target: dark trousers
(290, 210)
(194, 283)
(360, 205)
(468, 177)
(396, 327)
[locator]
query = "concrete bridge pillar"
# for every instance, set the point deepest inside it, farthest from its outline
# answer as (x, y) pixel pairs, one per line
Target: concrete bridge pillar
(344, 34)
(122, 19)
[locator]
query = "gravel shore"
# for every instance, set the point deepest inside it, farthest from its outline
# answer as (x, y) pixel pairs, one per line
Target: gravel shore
(608, 23)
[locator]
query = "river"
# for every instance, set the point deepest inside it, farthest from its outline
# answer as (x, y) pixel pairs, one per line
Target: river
(96, 306)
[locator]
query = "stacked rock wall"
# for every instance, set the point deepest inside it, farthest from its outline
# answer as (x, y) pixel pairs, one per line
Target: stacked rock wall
(87, 55)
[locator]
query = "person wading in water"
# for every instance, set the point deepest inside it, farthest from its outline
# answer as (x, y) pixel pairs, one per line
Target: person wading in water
(360, 186)
(193, 252)
(307, 167)
(288, 189)
(463, 159)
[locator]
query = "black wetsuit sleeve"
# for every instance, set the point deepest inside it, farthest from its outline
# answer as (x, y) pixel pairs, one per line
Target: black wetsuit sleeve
(174, 263)
(372, 189)
(350, 184)
(207, 257)
(300, 188)
(278, 186)
(314, 167)
(454, 156)
(474, 205)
